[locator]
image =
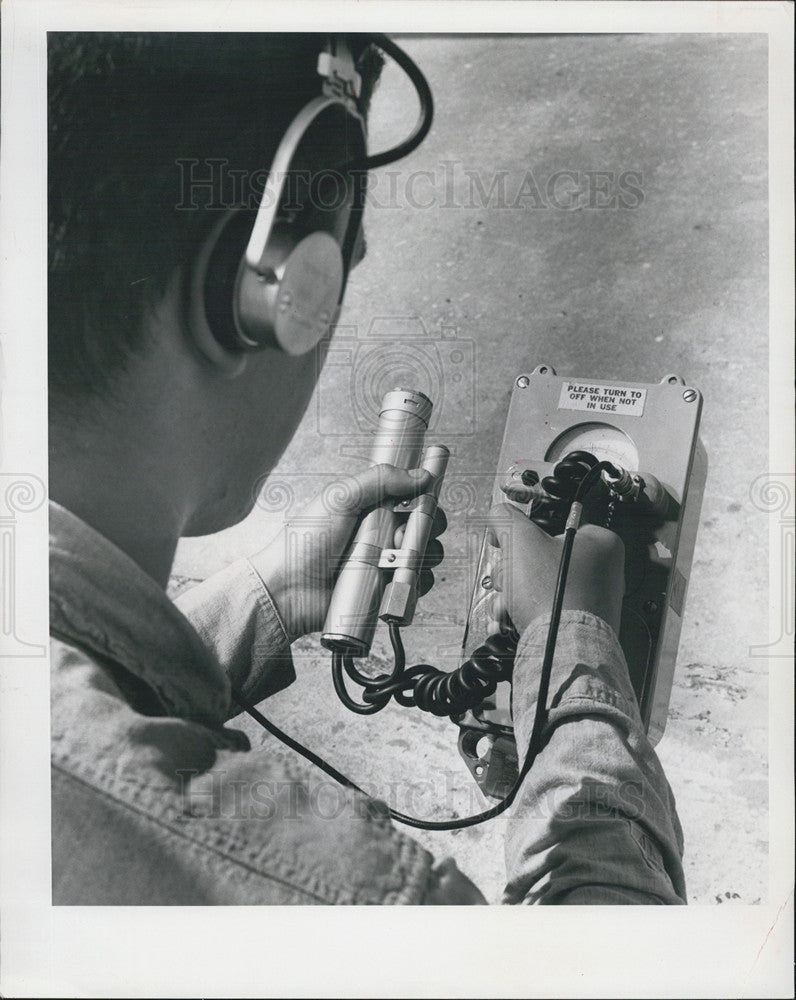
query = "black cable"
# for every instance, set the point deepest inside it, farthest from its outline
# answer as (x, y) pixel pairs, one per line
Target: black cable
(313, 758)
(425, 117)
(342, 661)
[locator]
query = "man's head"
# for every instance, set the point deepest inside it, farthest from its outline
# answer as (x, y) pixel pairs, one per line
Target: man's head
(137, 123)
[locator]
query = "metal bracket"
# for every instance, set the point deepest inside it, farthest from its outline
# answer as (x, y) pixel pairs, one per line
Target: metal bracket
(400, 559)
(341, 78)
(495, 768)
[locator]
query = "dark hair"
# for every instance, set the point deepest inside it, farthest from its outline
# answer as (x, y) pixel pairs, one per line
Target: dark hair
(126, 111)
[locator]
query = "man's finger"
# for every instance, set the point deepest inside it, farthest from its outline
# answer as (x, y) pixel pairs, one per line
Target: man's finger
(425, 583)
(434, 554)
(381, 482)
(440, 523)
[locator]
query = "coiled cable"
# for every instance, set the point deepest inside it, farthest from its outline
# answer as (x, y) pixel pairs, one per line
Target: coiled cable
(549, 508)
(428, 688)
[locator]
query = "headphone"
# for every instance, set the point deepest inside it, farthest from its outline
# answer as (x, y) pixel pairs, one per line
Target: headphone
(285, 291)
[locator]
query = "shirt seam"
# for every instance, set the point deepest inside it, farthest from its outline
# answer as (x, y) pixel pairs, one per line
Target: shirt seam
(601, 692)
(568, 620)
(83, 641)
(606, 698)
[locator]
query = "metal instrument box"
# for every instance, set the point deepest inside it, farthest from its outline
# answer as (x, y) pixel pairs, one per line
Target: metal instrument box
(645, 428)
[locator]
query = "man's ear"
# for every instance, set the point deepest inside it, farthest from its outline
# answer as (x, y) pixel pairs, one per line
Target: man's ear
(209, 289)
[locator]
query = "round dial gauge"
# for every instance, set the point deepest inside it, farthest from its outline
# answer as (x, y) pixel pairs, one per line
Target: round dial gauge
(605, 442)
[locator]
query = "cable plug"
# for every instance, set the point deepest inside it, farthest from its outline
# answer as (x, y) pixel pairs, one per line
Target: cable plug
(623, 485)
(635, 488)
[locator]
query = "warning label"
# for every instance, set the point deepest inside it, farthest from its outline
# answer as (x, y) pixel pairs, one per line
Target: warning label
(602, 398)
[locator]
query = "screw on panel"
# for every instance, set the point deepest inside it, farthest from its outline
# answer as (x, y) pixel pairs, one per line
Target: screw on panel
(689, 395)
(523, 382)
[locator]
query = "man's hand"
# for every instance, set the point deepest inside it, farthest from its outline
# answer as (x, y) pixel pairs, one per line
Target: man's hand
(527, 569)
(300, 566)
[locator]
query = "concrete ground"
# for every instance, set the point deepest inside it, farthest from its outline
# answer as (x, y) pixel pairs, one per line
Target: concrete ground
(464, 287)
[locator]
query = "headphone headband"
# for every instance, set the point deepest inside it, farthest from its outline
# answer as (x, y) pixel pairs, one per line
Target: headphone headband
(280, 171)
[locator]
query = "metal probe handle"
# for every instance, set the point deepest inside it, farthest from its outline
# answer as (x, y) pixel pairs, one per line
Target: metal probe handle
(354, 607)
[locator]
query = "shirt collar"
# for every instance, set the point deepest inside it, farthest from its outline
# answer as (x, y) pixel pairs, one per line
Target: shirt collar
(102, 601)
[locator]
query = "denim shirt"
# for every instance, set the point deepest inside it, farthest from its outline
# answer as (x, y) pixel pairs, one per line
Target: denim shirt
(157, 800)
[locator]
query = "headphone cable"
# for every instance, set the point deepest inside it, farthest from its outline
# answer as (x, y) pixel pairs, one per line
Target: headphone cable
(425, 117)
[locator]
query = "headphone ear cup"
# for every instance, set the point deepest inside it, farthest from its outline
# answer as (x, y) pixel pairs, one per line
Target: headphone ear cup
(288, 303)
(221, 277)
(291, 299)
(210, 292)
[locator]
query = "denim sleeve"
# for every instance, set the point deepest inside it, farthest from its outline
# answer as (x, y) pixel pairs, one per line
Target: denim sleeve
(237, 619)
(595, 821)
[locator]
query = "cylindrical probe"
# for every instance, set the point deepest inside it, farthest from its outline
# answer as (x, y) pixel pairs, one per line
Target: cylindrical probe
(400, 595)
(353, 610)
